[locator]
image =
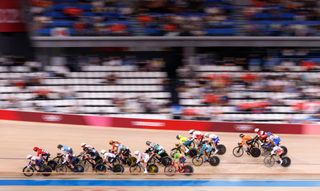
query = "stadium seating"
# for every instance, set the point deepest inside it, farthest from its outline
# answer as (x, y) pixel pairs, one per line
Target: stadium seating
(239, 96)
(93, 95)
(114, 18)
(203, 18)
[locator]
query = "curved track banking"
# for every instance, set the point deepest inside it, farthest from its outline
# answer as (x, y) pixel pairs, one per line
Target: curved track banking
(18, 138)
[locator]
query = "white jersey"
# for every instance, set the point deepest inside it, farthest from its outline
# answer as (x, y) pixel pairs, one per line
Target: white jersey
(144, 157)
(277, 150)
(35, 158)
(108, 155)
(196, 134)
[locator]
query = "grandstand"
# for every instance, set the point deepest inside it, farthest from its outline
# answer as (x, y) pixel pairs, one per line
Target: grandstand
(170, 59)
(176, 18)
(283, 88)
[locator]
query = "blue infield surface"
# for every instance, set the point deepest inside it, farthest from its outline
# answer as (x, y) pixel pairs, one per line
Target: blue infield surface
(137, 183)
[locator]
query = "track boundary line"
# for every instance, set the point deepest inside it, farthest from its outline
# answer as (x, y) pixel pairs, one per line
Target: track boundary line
(164, 183)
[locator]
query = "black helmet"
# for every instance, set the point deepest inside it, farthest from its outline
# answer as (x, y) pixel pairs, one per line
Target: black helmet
(59, 146)
(241, 135)
(148, 142)
(178, 136)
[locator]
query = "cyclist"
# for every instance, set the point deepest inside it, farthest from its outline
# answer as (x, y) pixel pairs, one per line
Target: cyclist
(197, 135)
(36, 160)
(156, 148)
(262, 135)
(119, 149)
(90, 151)
(278, 151)
(108, 157)
(67, 153)
(44, 154)
(142, 158)
(245, 141)
(213, 140)
(186, 142)
(179, 159)
(205, 149)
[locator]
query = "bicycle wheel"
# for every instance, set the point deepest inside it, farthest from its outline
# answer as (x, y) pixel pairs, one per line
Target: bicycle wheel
(269, 161)
(238, 151)
(86, 165)
(221, 149)
(197, 161)
(100, 168)
(28, 171)
(170, 170)
(136, 169)
(78, 168)
(214, 161)
(165, 161)
(152, 169)
(46, 170)
(255, 152)
(118, 168)
(187, 170)
(58, 160)
(286, 161)
(265, 152)
(53, 164)
(131, 161)
(61, 168)
(285, 150)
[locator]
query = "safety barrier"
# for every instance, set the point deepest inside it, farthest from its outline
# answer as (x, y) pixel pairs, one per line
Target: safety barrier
(139, 123)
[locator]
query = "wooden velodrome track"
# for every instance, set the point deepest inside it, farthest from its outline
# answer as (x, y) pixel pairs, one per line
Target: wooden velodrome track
(18, 138)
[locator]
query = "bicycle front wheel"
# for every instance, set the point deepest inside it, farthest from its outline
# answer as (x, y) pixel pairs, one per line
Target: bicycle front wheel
(136, 169)
(269, 161)
(169, 170)
(197, 161)
(237, 151)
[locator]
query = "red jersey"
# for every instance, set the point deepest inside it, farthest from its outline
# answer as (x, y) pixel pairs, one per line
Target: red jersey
(262, 135)
(41, 152)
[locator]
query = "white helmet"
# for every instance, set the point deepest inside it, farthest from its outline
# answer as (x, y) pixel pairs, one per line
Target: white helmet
(83, 144)
(256, 130)
(103, 152)
(214, 136)
(29, 157)
(206, 135)
(191, 131)
(136, 153)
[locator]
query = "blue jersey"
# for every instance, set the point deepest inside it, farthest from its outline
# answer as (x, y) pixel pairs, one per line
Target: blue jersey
(276, 140)
(67, 150)
(269, 134)
(215, 140)
(205, 147)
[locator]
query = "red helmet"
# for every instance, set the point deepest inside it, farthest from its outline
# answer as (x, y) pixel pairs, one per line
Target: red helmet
(35, 148)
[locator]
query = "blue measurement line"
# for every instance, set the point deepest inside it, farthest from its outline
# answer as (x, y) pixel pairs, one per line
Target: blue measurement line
(163, 183)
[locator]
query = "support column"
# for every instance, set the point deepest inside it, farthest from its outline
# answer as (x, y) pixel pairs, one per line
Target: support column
(188, 54)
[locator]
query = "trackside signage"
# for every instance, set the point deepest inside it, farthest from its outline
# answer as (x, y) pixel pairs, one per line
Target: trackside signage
(182, 125)
(52, 118)
(146, 123)
(243, 127)
(10, 16)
